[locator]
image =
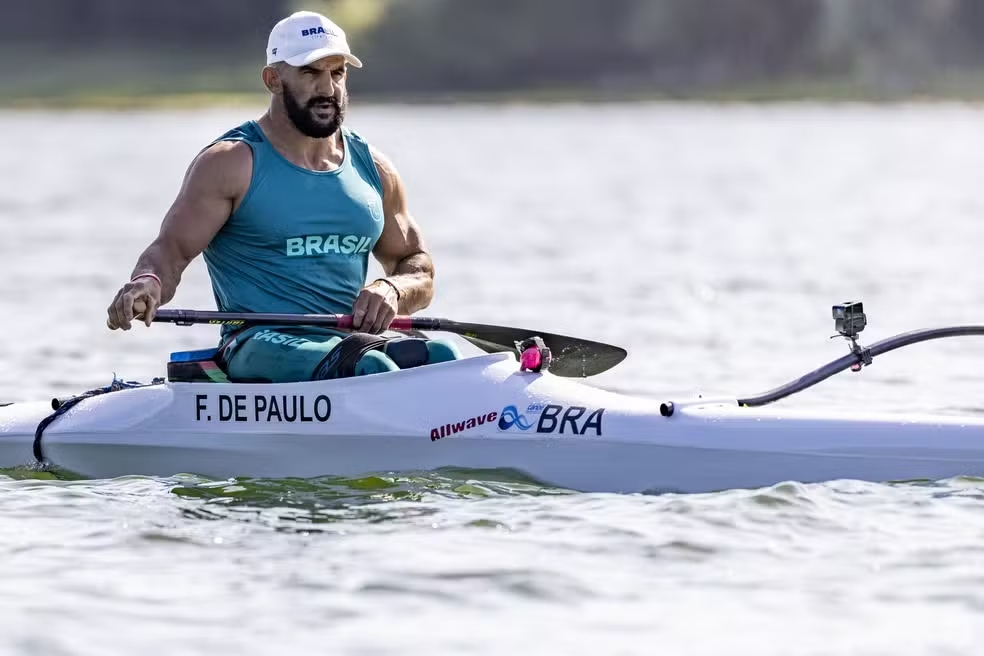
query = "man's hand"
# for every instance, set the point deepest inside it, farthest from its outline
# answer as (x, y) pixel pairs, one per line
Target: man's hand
(138, 299)
(375, 308)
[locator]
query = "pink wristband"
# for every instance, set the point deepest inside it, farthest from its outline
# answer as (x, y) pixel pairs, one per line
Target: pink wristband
(147, 275)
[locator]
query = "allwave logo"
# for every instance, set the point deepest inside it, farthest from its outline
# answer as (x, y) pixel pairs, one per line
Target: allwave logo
(510, 417)
(448, 430)
(553, 419)
(323, 245)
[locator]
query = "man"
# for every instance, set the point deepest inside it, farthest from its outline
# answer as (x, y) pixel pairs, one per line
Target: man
(286, 210)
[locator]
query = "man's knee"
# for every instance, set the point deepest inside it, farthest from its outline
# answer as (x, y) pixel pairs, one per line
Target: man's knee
(413, 352)
(440, 350)
(374, 362)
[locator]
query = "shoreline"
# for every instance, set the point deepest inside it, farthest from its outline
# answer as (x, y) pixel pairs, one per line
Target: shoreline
(804, 92)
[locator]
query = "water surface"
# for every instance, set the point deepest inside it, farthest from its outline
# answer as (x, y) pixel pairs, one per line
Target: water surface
(709, 241)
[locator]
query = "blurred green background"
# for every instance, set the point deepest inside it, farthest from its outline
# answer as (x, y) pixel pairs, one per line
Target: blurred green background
(127, 52)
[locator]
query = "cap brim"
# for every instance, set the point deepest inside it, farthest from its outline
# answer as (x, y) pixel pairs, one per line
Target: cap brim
(321, 53)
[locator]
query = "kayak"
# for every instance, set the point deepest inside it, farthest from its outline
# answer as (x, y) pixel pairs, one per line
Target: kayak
(487, 412)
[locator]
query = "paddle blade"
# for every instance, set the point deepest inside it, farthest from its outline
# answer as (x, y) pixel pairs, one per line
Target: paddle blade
(572, 357)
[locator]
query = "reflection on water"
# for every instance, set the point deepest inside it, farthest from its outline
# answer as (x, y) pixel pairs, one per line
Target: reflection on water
(332, 499)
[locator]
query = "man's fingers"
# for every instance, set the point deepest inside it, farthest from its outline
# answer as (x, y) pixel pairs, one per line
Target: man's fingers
(359, 310)
(376, 323)
(384, 318)
(112, 316)
(384, 315)
(372, 314)
(148, 315)
(120, 311)
(130, 304)
(128, 309)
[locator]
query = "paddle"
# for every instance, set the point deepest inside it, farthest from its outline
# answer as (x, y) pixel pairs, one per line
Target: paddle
(572, 357)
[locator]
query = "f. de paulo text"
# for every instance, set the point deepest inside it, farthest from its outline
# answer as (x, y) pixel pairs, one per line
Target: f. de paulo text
(270, 408)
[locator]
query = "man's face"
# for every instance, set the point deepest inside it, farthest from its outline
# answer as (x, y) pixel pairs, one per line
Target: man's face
(315, 96)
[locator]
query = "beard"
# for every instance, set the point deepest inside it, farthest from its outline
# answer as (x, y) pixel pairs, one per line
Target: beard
(304, 116)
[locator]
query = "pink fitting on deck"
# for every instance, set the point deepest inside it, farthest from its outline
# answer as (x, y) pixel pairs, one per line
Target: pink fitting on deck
(530, 359)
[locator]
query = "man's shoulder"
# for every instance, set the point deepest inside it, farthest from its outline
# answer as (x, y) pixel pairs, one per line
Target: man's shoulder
(360, 141)
(228, 164)
(384, 165)
(354, 135)
(225, 155)
(249, 132)
(227, 152)
(234, 148)
(372, 158)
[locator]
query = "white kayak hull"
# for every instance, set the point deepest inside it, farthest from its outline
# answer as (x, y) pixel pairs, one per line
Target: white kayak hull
(482, 413)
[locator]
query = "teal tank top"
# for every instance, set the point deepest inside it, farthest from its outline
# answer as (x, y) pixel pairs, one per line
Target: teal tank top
(300, 240)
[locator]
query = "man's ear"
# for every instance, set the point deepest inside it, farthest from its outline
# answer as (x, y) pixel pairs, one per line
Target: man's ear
(271, 79)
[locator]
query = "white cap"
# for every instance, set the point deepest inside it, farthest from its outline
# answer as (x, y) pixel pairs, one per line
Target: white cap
(305, 37)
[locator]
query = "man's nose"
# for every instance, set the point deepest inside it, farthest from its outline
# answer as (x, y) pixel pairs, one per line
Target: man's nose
(326, 86)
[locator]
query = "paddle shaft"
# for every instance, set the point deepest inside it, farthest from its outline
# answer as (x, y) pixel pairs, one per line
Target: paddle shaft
(572, 357)
(342, 321)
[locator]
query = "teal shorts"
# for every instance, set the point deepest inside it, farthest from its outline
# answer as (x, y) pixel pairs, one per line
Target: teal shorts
(294, 354)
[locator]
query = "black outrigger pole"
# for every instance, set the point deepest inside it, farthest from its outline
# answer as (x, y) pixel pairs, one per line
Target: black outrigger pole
(849, 321)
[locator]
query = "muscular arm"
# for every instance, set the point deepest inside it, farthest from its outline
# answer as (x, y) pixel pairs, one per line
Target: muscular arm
(213, 186)
(400, 249)
(213, 183)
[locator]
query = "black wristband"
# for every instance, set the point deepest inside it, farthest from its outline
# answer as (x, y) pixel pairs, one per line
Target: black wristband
(399, 294)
